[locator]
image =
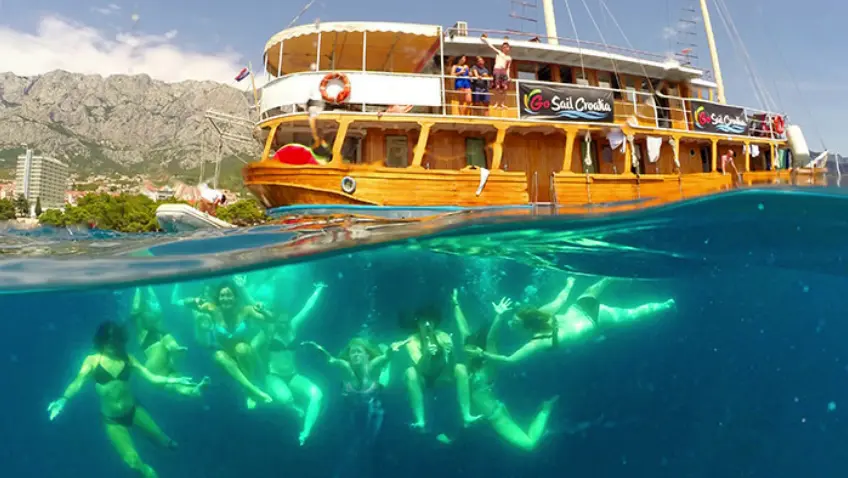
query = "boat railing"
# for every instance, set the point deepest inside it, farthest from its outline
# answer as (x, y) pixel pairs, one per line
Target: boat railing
(542, 38)
(385, 93)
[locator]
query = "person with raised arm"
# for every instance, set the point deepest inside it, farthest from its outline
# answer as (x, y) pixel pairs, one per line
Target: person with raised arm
(552, 325)
(110, 367)
(364, 368)
(483, 373)
(276, 345)
(160, 347)
(500, 72)
(434, 362)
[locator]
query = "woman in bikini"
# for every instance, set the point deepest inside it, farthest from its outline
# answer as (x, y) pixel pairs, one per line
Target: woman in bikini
(551, 326)
(433, 362)
(231, 336)
(462, 84)
(363, 366)
(482, 377)
(110, 366)
(160, 347)
(276, 345)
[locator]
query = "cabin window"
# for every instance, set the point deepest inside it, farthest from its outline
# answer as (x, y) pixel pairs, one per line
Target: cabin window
(397, 151)
(545, 73)
(565, 73)
(581, 77)
(604, 79)
(629, 87)
(352, 150)
(475, 152)
(526, 71)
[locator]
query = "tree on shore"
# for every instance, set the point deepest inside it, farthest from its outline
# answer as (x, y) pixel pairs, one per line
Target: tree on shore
(22, 205)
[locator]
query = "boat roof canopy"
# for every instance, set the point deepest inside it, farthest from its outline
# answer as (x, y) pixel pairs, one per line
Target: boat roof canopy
(538, 52)
(395, 47)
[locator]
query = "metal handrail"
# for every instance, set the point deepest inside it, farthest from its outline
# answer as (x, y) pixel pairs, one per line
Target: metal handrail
(630, 96)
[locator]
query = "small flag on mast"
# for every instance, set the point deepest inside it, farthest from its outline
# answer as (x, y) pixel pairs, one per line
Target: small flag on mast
(244, 73)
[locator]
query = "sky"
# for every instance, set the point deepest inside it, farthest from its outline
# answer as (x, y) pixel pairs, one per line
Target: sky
(790, 43)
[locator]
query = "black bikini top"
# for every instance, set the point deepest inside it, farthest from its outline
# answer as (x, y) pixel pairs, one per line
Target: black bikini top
(102, 376)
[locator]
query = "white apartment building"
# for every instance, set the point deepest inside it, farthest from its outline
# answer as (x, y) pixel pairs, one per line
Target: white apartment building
(41, 177)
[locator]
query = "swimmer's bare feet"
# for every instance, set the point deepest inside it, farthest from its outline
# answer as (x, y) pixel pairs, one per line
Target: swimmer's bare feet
(418, 426)
(471, 419)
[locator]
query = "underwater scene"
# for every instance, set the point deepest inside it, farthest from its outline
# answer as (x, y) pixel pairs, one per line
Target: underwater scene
(699, 339)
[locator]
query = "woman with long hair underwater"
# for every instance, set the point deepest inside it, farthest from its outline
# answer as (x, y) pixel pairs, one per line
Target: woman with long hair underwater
(551, 326)
(159, 346)
(276, 345)
(482, 375)
(363, 367)
(231, 336)
(110, 366)
(433, 362)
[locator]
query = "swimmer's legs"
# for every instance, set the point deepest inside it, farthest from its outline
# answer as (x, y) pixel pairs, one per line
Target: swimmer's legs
(232, 367)
(463, 393)
(616, 315)
(120, 438)
(416, 397)
(145, 423)
(314, 396)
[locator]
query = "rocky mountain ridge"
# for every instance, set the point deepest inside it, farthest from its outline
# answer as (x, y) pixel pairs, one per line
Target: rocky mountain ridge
(117, 124)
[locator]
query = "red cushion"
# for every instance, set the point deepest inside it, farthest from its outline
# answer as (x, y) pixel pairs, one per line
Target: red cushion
(296, 154)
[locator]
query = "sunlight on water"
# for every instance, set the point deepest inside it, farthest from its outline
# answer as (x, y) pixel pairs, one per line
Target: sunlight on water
(702, 339)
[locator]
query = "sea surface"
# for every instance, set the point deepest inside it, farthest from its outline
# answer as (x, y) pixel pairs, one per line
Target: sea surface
(746, 375)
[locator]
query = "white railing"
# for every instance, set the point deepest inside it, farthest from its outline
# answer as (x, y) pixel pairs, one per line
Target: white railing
(383, 93)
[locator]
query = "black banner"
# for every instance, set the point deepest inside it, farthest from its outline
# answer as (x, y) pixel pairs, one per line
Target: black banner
(565, 103)
(721, 119)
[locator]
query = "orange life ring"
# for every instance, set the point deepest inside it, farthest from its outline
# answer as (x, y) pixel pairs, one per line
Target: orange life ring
(343, 95)
(779, 124)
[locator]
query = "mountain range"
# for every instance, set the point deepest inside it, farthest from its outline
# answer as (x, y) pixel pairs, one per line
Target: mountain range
(122, 124)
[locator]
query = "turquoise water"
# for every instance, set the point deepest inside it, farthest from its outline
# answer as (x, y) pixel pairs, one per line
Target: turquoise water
(717, 349)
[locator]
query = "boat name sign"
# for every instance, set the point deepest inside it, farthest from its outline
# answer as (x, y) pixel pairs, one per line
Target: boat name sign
(566, 103)
(721, 119)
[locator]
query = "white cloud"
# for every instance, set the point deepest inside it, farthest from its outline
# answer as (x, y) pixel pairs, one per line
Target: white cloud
(59, 44)
(107, 10)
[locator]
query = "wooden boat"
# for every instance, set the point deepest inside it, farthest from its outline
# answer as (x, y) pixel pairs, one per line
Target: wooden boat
(583, 124)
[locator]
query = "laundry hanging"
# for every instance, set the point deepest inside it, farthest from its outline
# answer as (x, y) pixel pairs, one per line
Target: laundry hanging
(616, 139)
(654, 146)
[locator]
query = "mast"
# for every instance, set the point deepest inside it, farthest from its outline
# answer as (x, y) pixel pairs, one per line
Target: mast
(705, 12)
(550, 22)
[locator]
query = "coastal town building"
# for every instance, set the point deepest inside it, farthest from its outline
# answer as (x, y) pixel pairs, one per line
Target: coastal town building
(41, 177)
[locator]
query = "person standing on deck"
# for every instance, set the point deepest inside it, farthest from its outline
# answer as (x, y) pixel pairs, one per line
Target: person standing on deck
(480, 86)
(727, 158)
(503, 63)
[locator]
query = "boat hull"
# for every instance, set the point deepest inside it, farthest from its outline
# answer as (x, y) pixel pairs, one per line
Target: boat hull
(412, 193)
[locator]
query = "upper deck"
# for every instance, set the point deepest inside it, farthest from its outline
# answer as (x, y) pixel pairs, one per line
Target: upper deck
(398, 68)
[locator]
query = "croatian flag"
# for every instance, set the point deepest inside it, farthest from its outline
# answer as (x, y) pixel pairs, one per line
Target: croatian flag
(242, 74)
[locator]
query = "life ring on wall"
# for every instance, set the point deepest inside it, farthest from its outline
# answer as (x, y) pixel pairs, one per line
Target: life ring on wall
(348, 185)
(343, 95)
(779, 125)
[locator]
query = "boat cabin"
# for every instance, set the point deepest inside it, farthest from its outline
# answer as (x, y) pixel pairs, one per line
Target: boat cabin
(407, 96)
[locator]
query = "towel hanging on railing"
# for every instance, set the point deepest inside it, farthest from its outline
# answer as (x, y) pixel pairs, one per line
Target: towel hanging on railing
(616, 139)
(654, 146)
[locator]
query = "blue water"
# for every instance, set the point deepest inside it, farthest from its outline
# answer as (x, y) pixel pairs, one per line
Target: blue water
(745, 377)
